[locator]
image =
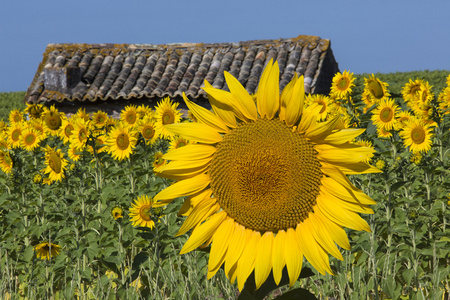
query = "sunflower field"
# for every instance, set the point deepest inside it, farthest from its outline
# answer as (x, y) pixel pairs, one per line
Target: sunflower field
(276, 195)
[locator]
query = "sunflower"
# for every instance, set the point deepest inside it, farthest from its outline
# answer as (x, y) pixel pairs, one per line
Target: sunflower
(383, 133)
(14, 134)
(417, 136)
(66, 130)
(402, 118)
(3, 126)
(141, 212)
(52, 120)
(37, 178)
(35, 110)
(384, 114)
(117, 212)
(4, 145)
(380, 164)
(267, 182)
(158, 160)
(73, 153)
(6, 163)
(46, 250)
(79, 135)
(146, 127)
(30, 139)
(56, 164)
(324, 101)
(38, 125)
(177, 142)
(410, 89)
(166, 114)
(82, 114)
(99, 119)
(444, 101)
(421, 103)
(129, 115)
(342, 85)
(374, 91)
(15, 116)
(121, 141)
(144, 110)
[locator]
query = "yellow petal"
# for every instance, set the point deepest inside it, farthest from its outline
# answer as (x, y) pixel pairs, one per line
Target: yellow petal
(322, 236)
(278, 257)
(338, 190)
(228, 100)
(182, 188)
(192, 201)
(222, 110)
(313, 252)
(294, 256)
(294, 106)
(342, 136)
(180, 169)
(203, 232)
(286, 97)
(353, 169)
(190, 152)
(244, 101)
(199, 213)
(343, 154)
(263, 259)
(246, 262)
(336, 232)
(341, 216)
(205, 116)
(236, 246)
(321, 129)
(268, 93)
(309, 116)
(219, 246)
(195, 132)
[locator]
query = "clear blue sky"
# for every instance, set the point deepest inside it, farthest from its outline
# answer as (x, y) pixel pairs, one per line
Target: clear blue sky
(366, 36)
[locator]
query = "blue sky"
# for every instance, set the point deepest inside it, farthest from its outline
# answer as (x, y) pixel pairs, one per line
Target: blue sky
(366, 36)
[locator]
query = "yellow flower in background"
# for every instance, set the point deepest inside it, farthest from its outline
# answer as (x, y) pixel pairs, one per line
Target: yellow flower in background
(56, 164)
(368, 144)
(47, 250)
(166, 113)
(15, 116)
(117, 212)
(146, 127)
(129, 115)
(81, 114)
(383, 133)
(324, 101)
(121, 141)
(267, 182)
(416, 157)
(402, 118)
(144, 110)
(34, 110)
(411, 89)
(14, 134)
(417, 136)
(380, 164)
(342, 85)
(177, 142)
(30, 139)
(384, 114)
(4, 145)
(444, 101)
(79, 135)
(99, 119)
(141, 212)
(73, 153)
(52, 120)
(66, 130)
(158, 160)
(6, 163)
(374, 91)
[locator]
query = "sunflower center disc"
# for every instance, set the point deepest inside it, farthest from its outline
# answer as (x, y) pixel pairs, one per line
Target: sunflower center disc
(418, 136)
(386, 114)
(55, 163)
(122, 141)
(144, 212)
(265, 176)
(168, 118)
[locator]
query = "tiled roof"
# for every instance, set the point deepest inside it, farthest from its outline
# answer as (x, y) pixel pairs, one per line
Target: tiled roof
(91, 72)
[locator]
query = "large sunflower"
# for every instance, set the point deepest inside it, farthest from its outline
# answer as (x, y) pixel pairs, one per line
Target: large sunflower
(56, 164)
(417, 135)
(46, 250)
(342, 85)
(267, 182)
(121, 141)
(30, 139)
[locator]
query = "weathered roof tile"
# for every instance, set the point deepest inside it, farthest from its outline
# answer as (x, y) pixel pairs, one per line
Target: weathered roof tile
(124, 71)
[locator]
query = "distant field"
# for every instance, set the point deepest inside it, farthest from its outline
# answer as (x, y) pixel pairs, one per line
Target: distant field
(14, 100)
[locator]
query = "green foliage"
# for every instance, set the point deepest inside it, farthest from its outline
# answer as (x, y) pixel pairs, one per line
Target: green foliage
(9, 102)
